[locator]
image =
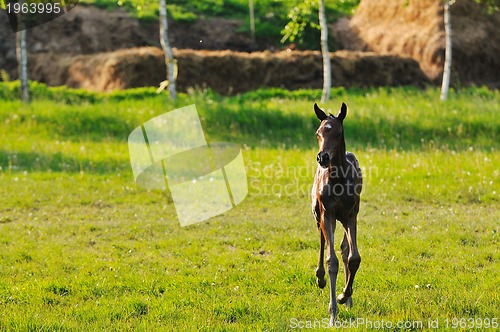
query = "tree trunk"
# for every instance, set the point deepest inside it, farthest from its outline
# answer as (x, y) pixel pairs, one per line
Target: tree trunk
(252, 19)
(22, 58)
(167, 50)
(447, 57)
(327, 75)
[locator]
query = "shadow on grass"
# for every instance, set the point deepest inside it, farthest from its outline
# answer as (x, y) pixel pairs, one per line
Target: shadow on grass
(258, 128)
(58, 162)
(255, 118)
(272, 129)
(87, 125)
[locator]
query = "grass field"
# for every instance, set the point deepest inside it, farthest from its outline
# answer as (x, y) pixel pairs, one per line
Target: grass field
(84, 249)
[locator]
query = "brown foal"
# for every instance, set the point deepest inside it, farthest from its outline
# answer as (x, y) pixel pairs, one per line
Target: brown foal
(335, 196)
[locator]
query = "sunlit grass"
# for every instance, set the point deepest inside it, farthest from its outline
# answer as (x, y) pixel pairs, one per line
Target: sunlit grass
(85, 249)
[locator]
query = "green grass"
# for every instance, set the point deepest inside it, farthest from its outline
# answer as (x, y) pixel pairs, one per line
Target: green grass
(83, 248)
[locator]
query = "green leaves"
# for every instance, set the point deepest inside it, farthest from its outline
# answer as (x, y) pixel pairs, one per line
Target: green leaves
(301, 16)
(491, 6)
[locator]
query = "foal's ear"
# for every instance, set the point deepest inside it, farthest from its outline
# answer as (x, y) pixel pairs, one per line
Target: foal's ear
(342, 113)
(319, 113)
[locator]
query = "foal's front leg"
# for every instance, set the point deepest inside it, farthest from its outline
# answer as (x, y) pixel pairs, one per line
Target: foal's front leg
(320, 270)
(333, 263)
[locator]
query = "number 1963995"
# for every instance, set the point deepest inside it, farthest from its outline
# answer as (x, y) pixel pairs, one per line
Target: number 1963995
(34, 8)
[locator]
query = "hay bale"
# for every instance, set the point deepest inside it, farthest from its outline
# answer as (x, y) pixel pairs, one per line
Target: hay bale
(416, 29)
(225, 72)
(128, 68)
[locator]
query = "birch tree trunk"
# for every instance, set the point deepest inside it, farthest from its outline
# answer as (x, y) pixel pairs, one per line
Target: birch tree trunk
(327, 74)
(167, 49)
(447, 55)
(22, 59)
(252, 19)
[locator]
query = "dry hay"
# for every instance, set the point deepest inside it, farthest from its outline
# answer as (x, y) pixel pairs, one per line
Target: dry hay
(416, 29)
(226, 72)
(108, 71)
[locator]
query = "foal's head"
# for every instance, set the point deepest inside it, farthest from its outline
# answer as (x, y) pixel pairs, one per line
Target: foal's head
(330, 134)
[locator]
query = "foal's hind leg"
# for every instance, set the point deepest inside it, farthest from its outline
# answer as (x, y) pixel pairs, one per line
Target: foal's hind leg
(353, 260)
(320, 271)
(344, 248)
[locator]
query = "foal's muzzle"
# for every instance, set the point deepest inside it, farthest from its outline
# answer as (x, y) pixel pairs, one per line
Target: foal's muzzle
(323, 159)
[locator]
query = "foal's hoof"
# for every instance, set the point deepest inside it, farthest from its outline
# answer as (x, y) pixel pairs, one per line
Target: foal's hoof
(333, 311)
(321, 283)
(345, 300)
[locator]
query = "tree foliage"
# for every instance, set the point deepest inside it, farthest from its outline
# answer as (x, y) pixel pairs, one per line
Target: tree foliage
(302, 17)
(491, 6)
(302, 23)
